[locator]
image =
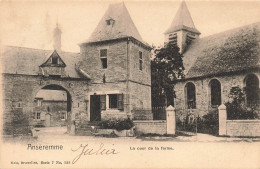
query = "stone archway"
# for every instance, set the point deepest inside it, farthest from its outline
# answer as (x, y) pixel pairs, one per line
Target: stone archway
(55, 107)
(59, 87)
(19, 99)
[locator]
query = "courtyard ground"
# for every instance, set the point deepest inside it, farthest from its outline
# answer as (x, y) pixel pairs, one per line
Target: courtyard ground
(199, 151)
(58, 133)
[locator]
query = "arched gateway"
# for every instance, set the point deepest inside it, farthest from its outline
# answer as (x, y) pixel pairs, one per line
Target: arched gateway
(22, 83)
(102, 80)
(52, 107)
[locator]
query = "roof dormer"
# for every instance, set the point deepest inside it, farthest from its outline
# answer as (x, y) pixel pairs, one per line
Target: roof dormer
(53, 66)
(54, 61)
(110, 21)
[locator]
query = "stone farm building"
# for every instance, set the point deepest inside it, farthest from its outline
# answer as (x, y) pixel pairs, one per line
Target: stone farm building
(214, 64)
(109, 78)
(50, 108)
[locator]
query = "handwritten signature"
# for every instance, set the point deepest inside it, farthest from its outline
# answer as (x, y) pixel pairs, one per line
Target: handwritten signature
(86, 150)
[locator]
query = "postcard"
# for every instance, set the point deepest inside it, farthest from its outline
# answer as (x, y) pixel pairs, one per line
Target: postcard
(129, 84)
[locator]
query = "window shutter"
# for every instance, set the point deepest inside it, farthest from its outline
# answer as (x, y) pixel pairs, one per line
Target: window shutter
(34, 115)
(120, 101)
(103, 102)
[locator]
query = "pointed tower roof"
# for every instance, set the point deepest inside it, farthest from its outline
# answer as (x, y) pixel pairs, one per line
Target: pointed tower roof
(116, 23)
(182, 20)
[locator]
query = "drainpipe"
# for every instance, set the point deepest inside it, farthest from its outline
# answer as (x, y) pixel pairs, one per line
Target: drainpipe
(128, 76)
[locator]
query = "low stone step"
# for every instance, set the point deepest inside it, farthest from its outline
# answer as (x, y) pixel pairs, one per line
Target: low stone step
(93, 123)
(84, 132)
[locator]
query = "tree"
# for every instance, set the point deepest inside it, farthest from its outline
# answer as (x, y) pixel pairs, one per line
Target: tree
(166, 66)
(236, 107)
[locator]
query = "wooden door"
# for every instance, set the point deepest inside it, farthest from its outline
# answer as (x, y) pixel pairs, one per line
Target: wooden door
(95, 110)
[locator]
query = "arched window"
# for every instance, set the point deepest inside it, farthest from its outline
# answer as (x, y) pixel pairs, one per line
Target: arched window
(252, 89)
(215, 92)
(190, 95)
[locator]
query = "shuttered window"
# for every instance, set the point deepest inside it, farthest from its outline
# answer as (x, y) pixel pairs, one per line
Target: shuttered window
(116, 101)
(103, 102)
(120, 101)
(113, 101)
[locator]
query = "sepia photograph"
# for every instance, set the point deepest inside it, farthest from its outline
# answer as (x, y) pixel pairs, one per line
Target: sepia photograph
(129, 84)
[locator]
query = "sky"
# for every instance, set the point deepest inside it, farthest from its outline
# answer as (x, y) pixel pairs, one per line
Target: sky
(31, 23)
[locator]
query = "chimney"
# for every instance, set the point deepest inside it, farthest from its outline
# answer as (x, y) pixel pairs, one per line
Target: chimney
(57, 38)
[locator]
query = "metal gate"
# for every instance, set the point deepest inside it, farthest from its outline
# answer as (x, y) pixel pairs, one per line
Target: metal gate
(187, 121)
(190, 122)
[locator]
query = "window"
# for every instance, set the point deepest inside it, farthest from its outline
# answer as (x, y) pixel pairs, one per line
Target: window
(140, 60)
(103, 53)
(38, 115)
(103, 57)
(215, 92)
(113, 101)
(54, 60)
(39, 102)
(63, 116)
(116, 101)
(252, 90)
(190, 95)
(19, 104)
(110, 21)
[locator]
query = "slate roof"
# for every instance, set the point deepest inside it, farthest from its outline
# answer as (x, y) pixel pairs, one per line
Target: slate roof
(21, 60)
(122, 27)
(182, 20)
(229, 51)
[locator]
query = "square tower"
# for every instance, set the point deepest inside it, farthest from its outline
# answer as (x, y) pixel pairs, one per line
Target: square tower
(118, 62)
(182, 30)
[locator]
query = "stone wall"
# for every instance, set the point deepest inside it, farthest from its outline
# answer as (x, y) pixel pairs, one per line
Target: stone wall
(122, 61)
(241, 128)
(141, 76)
(55, 110)
(116, 61)
(142, 114)
(140, 96)
(203, 91)
(110, 88)
(151, 126)
(19, 91)
(244, 128)
(122, 74)
(113, 114)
